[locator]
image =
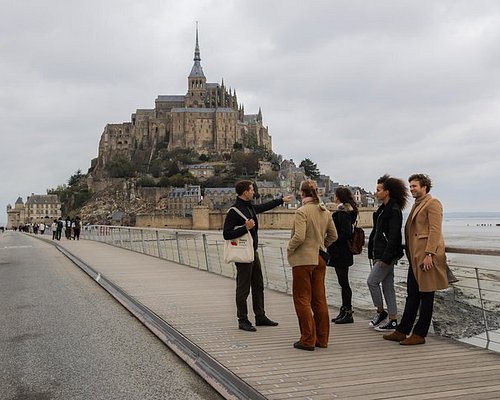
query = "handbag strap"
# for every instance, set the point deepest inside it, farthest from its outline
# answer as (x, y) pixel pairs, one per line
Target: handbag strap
(239, 212)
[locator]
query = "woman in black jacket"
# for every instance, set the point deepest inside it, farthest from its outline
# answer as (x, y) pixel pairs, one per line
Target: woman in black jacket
(385, 249)
(341, 257)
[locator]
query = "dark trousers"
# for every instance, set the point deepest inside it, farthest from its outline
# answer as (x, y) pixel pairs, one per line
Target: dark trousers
(309, 299)
(249, 276)
(416, 302)
(343, 279)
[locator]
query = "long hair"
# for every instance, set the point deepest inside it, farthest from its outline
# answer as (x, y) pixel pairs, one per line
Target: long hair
(397, 189)
(310, 189)
(345, 196)
(423, 179)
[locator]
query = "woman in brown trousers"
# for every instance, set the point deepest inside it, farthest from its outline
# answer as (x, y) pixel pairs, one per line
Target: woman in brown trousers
(313, 230)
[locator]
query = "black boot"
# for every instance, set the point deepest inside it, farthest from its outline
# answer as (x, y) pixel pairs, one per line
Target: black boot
(341, 314)
(346, 318)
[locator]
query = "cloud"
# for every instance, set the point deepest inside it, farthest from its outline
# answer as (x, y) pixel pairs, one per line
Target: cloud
(361, 88)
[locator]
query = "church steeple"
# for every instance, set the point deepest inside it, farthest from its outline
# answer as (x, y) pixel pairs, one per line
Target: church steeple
(197, 83)
(197, 70)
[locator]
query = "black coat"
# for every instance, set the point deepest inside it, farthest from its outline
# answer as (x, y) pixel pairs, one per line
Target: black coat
(340, 254)
(385, 242)
(233, 219)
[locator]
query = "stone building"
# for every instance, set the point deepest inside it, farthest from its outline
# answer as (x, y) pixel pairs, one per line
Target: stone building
(207, 119)
(180, 201)
(38, 208)
(219, 198)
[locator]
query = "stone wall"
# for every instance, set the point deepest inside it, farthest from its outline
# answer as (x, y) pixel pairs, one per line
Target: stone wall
(163, 221)
(206, 219)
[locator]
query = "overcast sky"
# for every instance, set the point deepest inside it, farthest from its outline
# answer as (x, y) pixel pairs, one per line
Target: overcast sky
(362, 88)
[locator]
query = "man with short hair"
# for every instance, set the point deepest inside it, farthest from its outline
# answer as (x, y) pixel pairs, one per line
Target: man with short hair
(249, 275)
(425, 251)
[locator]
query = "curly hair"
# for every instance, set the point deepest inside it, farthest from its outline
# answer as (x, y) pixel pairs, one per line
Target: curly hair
(397, 189)
(345, 196)
(423, 179)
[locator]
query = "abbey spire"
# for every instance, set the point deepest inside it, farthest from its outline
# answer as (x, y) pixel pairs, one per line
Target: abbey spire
(197, 70)
(197, 83)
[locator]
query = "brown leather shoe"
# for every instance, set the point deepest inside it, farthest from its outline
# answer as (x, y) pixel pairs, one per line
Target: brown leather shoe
(395, 336)
(413, 339)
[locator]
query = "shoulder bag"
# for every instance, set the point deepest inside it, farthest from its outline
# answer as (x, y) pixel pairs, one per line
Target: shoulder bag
(239, 250)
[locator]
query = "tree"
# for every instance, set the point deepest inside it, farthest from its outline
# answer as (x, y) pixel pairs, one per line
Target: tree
(120, 167)
(311, 169)
(246, 164)
(74, 179)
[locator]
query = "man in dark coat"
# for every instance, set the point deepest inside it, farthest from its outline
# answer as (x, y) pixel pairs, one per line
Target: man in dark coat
(249, 275)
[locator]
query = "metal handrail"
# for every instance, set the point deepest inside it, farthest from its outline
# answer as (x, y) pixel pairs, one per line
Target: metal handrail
(469, 308)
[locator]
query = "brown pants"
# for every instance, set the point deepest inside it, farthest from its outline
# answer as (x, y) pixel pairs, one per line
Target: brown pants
(309, 299)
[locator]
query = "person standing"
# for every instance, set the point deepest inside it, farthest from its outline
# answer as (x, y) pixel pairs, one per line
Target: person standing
(249, 275)
(425, 250)
(60, 225)
(53, 228)
(385, 248)
(67, 227)
(341, 257)
(313, 230)
(78, 228)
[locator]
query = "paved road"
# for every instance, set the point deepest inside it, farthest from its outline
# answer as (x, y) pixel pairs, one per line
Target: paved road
(64, 337)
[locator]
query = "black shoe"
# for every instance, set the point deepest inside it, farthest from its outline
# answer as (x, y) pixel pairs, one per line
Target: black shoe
(341, 314)
(346, 318)
(264, 321)
(246, 326)
(300, 346)
(378, 319)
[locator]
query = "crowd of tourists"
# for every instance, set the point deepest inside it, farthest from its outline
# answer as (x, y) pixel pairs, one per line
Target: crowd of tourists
(320, 238)
(70, 227)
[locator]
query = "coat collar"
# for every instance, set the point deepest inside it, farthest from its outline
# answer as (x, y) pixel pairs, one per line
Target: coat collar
(418, 206)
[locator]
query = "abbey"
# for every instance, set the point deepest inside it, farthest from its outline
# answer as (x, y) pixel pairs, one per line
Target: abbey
(207, 119)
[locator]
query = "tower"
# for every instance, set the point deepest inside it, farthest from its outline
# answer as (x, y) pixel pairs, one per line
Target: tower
(197, 83)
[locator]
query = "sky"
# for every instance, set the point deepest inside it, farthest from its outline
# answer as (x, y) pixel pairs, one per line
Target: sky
(362, 88)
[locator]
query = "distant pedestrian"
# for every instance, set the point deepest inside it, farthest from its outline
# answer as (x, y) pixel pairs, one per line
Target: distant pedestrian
(41, 228)
(78, 228)
(249, 275)
(53, 228)
(313, 230)
(341, 257)
(385, 248)
(60, 226)
(425, 250)
(67, 227)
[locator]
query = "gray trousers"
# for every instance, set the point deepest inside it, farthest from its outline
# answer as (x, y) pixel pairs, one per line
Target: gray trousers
(384, 275)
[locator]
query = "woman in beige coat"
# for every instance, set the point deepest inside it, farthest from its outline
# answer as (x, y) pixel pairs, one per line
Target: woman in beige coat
(312, 231)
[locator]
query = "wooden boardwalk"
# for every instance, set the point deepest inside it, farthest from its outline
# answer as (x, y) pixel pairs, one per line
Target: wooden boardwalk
(358, 364)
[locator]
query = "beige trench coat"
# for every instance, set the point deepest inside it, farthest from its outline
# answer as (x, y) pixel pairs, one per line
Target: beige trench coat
(424, 236)
(313, 229)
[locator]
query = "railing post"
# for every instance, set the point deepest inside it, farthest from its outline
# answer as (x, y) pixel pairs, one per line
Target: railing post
(112, 236)
(485, 317)
(178, 247)
(158, 243)
(130, 238)
(205, 248)
(263, 265)
(142, 240)
(284, 267)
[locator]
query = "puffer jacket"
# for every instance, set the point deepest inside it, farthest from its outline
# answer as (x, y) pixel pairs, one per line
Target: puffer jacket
(386, 241)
